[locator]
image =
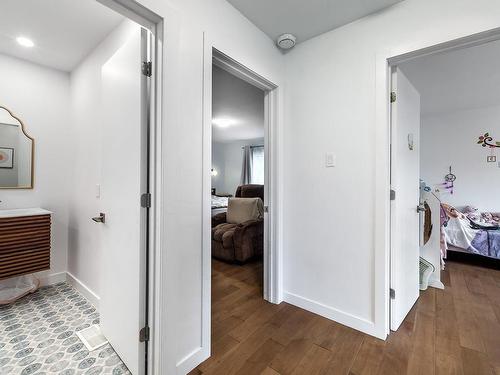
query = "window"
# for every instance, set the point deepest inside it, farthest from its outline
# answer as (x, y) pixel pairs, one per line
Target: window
(257, 165)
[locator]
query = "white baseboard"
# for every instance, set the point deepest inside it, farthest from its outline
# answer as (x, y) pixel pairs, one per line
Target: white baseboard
(435, 283)
(47, 278)
(334, 314)
(189, 362)
(84, 289)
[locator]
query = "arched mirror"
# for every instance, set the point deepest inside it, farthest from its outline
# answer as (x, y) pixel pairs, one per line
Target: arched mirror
(16, 153)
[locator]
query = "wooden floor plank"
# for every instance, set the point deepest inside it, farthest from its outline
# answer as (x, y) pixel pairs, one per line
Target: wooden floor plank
(315, 361)
(475, 363)
(269, 371)
(448, 365)
(220, 348)
(422, 359)
(450, 331)
(261, 358)
(344, 350)
(369, 357)
(397, 351)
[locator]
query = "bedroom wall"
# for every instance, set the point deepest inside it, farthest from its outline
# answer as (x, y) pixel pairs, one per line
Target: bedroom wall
(84, 249)
(451, 139)
(331, 97)
(39, 96)
(218, 163)
(229, 157)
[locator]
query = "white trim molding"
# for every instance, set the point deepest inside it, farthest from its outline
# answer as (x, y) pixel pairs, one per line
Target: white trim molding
(47, 278)
(189, 362)
(88, 293)
(334, 314)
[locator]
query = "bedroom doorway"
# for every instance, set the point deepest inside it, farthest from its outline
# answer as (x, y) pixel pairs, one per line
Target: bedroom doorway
(444, 144)
(241, 266)
(237, 190)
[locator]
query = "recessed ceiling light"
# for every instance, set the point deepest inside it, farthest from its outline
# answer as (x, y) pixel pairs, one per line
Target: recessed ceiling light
(25, 42)
(223, 122)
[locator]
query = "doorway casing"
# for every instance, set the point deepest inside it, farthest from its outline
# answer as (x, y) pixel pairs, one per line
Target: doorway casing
(385, 62)
(272, 254)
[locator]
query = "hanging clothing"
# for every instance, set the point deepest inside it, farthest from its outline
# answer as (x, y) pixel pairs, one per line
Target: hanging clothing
(427, 223)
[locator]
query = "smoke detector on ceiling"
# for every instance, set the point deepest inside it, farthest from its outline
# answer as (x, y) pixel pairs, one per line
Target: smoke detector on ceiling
(286, 41)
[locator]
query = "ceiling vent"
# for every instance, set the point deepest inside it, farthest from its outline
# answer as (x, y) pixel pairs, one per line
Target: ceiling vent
(286, 41)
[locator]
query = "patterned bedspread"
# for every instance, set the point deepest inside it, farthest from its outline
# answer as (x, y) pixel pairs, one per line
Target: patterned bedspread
(219, 202)
(486, 242)
(458, 232)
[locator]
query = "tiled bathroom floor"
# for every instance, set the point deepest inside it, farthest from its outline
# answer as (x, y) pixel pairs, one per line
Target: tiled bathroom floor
(38, 336)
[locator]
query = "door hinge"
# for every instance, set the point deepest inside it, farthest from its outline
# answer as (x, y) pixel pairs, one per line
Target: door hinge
(146, 200)
(147, 68)
(393, 96)
(393, 195)
(392, 293)
(144, 334)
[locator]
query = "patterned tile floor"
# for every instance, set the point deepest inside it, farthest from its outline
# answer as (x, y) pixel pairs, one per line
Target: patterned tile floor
(37, 336)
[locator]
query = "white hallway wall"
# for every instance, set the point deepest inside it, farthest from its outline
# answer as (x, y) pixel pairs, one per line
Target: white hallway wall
(329, 258)
(187, 23)
(84, 243)
(451, 139)
(39, 96)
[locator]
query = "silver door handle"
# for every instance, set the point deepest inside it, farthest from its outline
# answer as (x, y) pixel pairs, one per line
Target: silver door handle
(420, 208)
(100, 219)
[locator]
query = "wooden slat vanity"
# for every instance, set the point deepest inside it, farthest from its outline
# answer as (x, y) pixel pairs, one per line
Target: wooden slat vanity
(24, 241)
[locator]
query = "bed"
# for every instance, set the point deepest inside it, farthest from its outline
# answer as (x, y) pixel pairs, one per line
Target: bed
(219, 204)
(472, 232)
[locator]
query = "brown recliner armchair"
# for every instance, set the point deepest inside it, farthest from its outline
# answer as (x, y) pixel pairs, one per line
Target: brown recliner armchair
(239, 242)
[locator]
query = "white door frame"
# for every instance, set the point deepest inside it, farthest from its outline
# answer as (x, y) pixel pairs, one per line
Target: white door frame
(154, 23)
(272, 256)
(384, 63)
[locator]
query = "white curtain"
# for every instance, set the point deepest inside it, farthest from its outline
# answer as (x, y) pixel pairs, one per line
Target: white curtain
(257, 170)
(246, 167)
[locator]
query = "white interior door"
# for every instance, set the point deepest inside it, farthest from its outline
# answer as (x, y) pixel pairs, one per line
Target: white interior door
(123, 272)
(405, 172)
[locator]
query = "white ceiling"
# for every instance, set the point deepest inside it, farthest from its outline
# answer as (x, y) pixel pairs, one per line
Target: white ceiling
(306, 18)
(457, 80)
(238, 103)
(64, 31)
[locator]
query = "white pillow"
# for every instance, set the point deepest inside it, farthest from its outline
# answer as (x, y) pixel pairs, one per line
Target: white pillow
(240, 210)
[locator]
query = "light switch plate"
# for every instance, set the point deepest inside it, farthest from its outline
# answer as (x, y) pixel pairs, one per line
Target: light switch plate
(98, 191)
(330, 159)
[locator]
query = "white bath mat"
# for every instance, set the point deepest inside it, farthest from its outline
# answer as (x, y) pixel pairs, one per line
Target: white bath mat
(92, 337)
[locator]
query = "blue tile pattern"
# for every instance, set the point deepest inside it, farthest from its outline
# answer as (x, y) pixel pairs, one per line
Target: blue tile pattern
(38, 336)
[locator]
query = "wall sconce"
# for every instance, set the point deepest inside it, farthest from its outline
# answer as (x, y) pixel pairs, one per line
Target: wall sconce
(214, 172)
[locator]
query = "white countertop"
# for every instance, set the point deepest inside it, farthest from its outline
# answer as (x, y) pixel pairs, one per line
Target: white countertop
(23, 212)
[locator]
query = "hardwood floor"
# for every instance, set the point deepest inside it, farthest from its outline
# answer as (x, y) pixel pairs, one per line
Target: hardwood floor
(451, 331)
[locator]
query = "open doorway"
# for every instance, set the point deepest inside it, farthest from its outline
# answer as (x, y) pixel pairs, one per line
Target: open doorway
(84, 98)
(253, 180)
(445, 236)
(238, 184)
